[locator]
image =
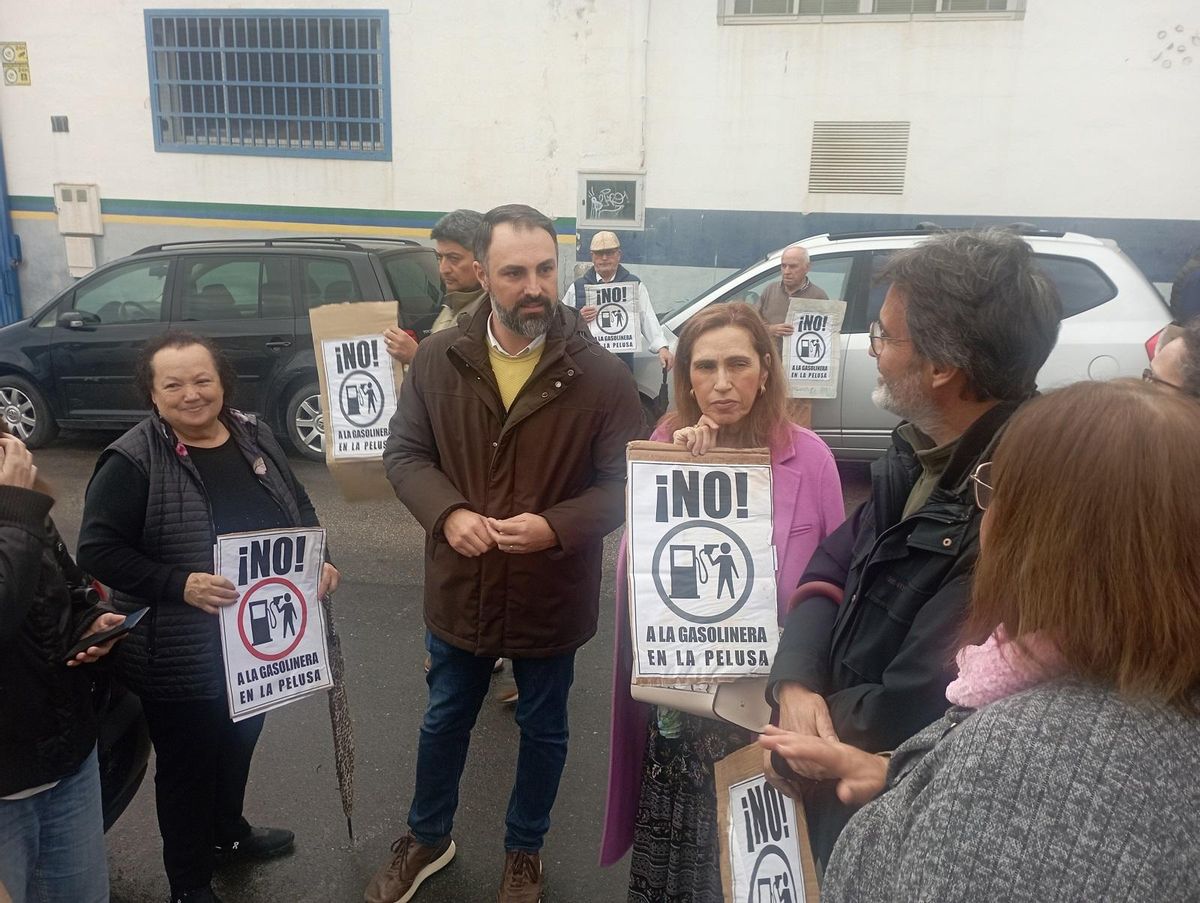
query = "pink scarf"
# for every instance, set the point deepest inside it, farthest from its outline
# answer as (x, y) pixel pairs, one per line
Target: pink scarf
(1000, 668)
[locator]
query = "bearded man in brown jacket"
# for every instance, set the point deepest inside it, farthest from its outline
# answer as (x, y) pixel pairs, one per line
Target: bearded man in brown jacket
(508, 446)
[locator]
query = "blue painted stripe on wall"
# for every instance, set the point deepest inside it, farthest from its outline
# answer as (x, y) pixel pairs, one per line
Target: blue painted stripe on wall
(737, 238)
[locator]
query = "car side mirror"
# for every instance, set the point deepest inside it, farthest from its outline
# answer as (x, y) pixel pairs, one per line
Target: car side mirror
(77, 319)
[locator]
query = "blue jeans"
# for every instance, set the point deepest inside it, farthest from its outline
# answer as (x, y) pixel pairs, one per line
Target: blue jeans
(458, 682)
(52, 844)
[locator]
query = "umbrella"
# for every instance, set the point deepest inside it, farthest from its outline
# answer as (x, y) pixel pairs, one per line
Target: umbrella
(339, 718)
(663, 400)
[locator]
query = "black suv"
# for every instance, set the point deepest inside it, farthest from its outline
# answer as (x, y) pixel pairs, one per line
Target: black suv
(71, 364)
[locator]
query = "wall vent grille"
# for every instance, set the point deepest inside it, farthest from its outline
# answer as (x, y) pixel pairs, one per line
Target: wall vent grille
(858, 157)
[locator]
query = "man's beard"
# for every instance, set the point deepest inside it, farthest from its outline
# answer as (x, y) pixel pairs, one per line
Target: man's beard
(904, 398)
(528, 325)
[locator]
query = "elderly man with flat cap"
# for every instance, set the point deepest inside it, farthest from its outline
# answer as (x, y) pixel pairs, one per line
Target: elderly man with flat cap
(606, 267)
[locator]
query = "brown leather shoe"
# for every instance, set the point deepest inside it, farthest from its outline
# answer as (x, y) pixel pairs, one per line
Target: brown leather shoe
(522, 881)
(398, 879)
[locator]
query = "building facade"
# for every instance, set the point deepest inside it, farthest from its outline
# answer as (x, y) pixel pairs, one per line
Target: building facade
(706, 132)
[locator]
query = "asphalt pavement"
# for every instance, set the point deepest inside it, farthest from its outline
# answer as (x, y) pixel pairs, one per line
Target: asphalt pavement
(378, 548)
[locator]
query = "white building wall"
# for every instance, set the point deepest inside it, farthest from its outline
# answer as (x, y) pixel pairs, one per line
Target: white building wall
(1062, 113)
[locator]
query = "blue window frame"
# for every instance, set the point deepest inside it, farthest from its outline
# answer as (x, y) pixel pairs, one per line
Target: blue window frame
(296, 83)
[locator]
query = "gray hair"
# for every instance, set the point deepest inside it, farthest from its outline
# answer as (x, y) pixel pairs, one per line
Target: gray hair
(803, 250)
(977, 301)
(458, 226)
(520, 216)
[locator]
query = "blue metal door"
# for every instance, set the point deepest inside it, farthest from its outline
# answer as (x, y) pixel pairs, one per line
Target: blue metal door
(10, 256)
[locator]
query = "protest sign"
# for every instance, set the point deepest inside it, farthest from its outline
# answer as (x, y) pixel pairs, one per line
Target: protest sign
(617, 325)
(765, 851)
(812, 354)
(360, 383)
(273, 638)
(702, 594)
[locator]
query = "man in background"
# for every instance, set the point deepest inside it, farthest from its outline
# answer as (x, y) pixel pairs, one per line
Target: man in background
(606, 268)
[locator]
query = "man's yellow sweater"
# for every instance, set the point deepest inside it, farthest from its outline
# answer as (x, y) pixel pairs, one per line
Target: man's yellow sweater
(513, 372)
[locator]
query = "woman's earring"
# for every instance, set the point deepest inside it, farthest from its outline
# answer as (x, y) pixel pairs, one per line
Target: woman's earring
(692, 392)
(762, 389)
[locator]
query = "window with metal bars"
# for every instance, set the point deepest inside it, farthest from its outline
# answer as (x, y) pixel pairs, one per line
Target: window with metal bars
(734, 10)
(275, 83)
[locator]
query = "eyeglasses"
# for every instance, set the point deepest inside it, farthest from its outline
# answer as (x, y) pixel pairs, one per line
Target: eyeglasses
(1151, 377)
(982, 478)
(878, 338)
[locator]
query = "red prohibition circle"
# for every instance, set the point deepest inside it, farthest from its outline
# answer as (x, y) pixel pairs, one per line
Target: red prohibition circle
(246, 644)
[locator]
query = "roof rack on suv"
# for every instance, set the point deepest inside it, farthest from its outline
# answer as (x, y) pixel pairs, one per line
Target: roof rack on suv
(335, 240)
(928, 228)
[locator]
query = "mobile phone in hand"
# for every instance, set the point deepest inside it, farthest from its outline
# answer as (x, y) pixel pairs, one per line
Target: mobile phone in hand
(97, 639)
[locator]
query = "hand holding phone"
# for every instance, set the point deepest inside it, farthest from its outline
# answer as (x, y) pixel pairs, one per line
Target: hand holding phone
(106, 635)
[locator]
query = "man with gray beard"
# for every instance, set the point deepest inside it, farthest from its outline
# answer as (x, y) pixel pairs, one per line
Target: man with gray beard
(867, 651)
(508, 446)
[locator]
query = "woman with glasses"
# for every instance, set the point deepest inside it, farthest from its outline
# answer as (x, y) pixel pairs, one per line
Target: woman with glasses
(1065, 767)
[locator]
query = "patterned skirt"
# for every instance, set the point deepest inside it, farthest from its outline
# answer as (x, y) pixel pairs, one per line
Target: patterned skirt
(675, 848)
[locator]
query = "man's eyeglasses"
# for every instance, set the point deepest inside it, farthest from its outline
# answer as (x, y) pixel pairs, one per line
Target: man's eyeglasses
(982, 478)
(1151, 377)
(878, 338)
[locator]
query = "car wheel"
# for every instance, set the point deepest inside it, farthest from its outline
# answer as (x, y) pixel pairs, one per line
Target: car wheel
(25, 411)
(306, 423)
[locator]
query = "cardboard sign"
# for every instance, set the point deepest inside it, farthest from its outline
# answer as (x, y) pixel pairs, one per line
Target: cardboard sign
(701, 564)
(362, 396)
(617, 326)
(360, 383)
(812, 354)
(273, 638)
(765, 851)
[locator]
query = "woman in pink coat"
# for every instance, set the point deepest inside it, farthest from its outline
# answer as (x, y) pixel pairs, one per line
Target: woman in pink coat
(729, 391)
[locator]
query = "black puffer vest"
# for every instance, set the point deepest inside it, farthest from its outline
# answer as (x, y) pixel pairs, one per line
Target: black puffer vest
(175, 653)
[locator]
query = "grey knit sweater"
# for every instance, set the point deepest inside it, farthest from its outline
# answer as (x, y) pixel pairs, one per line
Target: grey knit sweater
(1065, 792)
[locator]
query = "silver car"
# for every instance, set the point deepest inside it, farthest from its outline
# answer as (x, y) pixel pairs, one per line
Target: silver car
(1110, 313)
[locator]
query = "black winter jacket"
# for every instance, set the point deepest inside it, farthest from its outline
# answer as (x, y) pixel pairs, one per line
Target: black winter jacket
(47, 723)
(175, 652)
(883, 598)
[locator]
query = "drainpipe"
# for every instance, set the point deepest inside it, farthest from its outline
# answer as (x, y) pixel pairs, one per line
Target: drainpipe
(10, 255)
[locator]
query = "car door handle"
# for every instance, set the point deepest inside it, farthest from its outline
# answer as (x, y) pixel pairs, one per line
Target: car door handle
(279, 343)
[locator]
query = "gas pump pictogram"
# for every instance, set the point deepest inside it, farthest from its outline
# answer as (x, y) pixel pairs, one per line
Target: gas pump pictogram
(698, 564)
(360, 398)
(272, 618)
(810, 347)
(612, 318)
(264, 618)
(690, 568)
(772, 880)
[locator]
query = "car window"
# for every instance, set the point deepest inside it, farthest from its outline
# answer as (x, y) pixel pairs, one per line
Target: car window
(1081, 286)
(751, 292)
(415, 283)
(127, 294)
(832, 273)
(327, 280)
(219, 287)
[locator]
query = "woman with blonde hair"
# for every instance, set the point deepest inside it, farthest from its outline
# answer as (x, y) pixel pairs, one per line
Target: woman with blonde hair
(1066, 767)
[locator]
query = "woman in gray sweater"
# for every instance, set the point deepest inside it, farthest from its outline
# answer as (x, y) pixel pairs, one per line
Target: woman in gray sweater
(1068, 765)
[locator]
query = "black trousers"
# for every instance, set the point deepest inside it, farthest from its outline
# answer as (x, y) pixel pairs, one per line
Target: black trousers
(202, 762)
